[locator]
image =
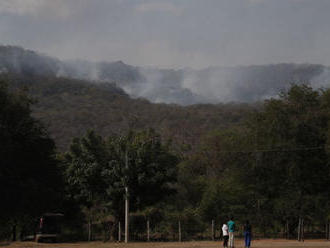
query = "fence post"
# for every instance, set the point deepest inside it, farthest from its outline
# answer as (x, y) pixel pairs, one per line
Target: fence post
(89, 229)
(302, 230)
(298, 230)
(119, 232)
(148, 231)
(326, 231)
(213, 230)
(180, 239)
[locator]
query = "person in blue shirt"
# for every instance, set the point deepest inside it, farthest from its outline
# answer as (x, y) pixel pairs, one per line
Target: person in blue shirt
(231, 230)
(247, 234)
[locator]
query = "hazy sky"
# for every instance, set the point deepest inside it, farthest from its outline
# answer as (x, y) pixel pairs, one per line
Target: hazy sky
(171, 33)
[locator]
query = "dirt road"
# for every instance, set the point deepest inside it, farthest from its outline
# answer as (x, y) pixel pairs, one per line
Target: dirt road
(190, 244)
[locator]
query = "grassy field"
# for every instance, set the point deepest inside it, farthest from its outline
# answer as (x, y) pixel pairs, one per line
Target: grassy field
(190, 244)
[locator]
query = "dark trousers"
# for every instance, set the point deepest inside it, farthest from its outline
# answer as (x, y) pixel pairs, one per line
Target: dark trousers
(247, 239)
(225, 241)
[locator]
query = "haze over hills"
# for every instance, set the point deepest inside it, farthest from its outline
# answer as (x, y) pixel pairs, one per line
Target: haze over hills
(181, 86)
(193, 109)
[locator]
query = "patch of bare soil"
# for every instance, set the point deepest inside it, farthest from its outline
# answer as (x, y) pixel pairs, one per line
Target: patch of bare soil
(190, 244)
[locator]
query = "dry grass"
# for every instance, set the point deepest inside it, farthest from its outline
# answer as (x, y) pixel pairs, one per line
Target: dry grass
(191, 244)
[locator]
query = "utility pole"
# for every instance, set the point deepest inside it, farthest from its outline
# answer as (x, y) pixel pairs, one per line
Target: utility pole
(126, 202)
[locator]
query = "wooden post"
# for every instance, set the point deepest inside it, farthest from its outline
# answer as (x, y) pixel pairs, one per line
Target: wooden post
(89, 229)
(213, 230)
(148, 231)
(119, 232)
(126, 204)
(302, 230)
(326, 231)
(299, 223)
(180, 238)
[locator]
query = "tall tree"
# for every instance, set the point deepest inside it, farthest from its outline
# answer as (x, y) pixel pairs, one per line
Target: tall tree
(97, 174)
(30, 180)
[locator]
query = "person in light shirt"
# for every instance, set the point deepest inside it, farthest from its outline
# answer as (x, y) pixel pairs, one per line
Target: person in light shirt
(225, 235)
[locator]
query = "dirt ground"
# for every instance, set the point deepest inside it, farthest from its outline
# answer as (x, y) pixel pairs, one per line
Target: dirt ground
(190, 244)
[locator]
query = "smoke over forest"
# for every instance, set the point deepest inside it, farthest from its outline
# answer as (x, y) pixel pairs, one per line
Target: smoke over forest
(191, 111)
(181, 86)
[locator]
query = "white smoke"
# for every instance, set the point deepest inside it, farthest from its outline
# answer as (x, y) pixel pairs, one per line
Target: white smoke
(322, 80)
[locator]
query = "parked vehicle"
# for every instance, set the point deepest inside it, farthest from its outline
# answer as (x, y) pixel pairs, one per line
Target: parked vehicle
(49, 228)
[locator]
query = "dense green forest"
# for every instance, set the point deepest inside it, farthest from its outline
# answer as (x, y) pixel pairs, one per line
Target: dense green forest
(267, 162)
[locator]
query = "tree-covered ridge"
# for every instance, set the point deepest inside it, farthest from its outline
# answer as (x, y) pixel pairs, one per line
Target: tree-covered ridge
(69, 107)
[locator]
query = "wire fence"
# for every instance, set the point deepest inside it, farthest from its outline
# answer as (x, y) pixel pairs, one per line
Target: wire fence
(189, 229)
(183, 231)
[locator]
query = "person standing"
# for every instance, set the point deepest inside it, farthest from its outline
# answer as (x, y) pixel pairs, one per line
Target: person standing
(231, 229)
(225, 235)
(247, 234)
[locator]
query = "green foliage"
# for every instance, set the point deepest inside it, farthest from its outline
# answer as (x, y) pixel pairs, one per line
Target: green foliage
(30, 180)
(294, 129)
(98, 171)
(270, 169)
(85, 162)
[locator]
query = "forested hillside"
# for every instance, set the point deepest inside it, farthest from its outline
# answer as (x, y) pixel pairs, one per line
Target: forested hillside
(69, 107)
